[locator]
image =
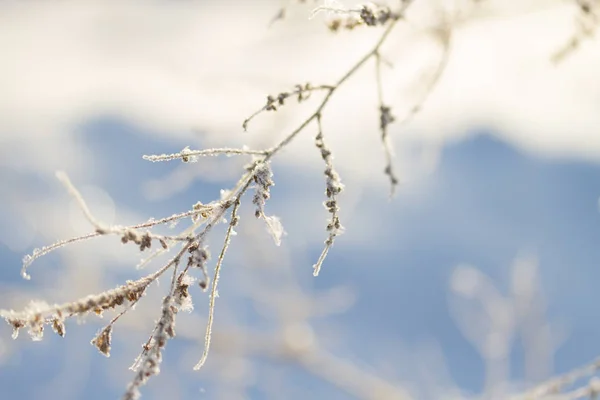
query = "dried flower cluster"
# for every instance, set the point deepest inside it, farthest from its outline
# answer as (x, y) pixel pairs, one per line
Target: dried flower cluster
(385, 119)
(103, 340)
(264, 181)
(334, 187)
(370, 14)
(182, 297)
(302, 92)
(144, 241)
(199, 255)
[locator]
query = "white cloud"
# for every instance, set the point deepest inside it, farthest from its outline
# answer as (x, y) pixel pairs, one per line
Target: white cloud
(179, 65)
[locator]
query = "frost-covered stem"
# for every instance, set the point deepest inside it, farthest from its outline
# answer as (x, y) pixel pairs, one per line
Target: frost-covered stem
(36, 315)
(64, 179)
(165, 329)
(37, 253)
(273, 102)
(187, 154)
(215, 282)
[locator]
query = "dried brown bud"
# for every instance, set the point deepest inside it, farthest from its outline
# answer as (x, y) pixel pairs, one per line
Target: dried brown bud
(59, 327)
(102, 340)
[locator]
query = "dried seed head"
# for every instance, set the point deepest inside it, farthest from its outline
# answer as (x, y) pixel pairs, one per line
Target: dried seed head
(145, 242)
(369, 14)
(203, 284)
(264, 181)
(102, 340)
(204, 211)
(17, 324)
(385, 117)
(163, 244)
(181, 295)
(185, 155)
(198, 256)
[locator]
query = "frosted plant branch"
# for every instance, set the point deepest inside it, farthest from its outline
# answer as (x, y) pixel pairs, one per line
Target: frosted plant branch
(345, 77)
(37, 314)
(147, 363)
(259, 176)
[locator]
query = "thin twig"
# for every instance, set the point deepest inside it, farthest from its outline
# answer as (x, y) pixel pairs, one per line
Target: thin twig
(445, 37)
(213, 290)
(163, 330)
(188, 155)
(37, 253)
(301, 91)
(385, 118)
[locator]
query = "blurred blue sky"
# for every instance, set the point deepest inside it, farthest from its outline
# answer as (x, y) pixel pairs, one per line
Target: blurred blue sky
(486, 204)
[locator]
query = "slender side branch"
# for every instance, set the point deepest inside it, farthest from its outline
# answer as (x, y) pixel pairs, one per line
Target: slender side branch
(302, 93)
(215, 282)
(187, 155)
(103, 339)
(385, 118)
(128, 232)
(64, 179)
(445, 37)
(164, 330)
(334, 187)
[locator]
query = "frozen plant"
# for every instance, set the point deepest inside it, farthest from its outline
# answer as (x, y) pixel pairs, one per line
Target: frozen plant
(188, 265)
